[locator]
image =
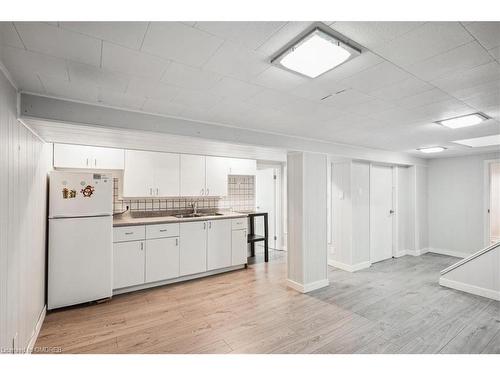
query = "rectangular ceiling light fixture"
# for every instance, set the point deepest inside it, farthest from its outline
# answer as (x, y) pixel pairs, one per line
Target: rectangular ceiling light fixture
(463, 121)
(315, 53)
(490, 140)
(431, 150)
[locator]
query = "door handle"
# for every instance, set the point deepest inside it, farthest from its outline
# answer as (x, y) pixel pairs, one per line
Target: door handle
(391, 212)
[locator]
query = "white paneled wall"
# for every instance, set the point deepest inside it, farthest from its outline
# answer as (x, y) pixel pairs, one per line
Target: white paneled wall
(24, 162)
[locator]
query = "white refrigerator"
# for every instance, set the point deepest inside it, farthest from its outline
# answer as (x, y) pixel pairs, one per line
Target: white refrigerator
(80, 238)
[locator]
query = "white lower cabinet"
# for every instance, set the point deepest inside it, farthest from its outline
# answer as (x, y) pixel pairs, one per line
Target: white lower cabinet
(128, 264)
(193, 248)
(239, 247)
(218, 244)
(162, 259)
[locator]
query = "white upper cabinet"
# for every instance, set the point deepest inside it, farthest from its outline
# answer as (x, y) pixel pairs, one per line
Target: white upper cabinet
(150, 174)
(242, 166)
(166, 174)
(138, 177)
(216, 172)
(76, 156)
(192, 175)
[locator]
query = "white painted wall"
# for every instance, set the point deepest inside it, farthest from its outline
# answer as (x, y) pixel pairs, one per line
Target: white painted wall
(24, 162)
(403, 210)
(360, 195)
(456, 219)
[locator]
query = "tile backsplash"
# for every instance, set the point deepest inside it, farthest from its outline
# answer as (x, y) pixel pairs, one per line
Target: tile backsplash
(241, 196)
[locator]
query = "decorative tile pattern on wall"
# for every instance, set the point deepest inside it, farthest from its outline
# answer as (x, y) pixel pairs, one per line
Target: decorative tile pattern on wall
(241, 196)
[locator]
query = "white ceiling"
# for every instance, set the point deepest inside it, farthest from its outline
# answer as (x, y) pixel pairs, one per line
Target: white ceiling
(411, 74)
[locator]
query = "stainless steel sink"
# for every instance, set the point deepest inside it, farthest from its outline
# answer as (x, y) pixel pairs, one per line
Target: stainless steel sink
(181, 216)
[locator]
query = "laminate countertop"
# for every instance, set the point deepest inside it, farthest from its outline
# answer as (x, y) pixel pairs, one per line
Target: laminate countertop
(126, 219)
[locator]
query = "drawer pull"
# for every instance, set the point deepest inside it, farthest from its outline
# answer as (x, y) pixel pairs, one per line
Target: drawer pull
(128, 233)
(163, 230)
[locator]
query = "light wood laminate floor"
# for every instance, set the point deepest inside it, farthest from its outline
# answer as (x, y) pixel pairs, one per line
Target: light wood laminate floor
(396, 306)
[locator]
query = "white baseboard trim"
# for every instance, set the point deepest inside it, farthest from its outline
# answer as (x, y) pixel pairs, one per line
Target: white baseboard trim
(416, 252)
(305, 288)
(401, 253)
(349, 267)
(450, 253)
(469, 288)
(36, 330)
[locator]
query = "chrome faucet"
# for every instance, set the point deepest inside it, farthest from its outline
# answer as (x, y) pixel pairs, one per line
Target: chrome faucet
(194, 206)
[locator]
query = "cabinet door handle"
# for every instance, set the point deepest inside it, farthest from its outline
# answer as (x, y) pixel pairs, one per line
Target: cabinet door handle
(157, 191)
(209, 225)
(142, 246)
(176, 242)
(208, 190)
(150, 191)
(163, 230)
(202, 191)
(204, 226)
(87, 162)
(129, 233)
(95, 162)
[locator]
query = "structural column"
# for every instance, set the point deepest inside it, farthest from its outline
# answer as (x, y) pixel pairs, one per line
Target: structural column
(307, 221)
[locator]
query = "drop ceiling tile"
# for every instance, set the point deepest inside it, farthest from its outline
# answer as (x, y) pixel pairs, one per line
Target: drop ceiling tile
(348, 98)
(198, 99)
(181, 43)
(32, 62)
(54, 41)
(138, 86)
(486, 88)
(484, 100)
(236, 89)
(268, 98)
(441, 110)
(279, 79)
(376, 77)
(237, 62)
(423, 98)
(124, 60)
(369, 107)
(460, 58)
(128, 34)
(249, 34)
(229, 111)
(26, 81)
(487, 33)
(71, 90)
(88, 74)
(121, 100)
(408, 87)
(189, 77)
(370, 34)
(313, 90)
(162, 107)
(469, 78)
(397, 116)
(9, 36)
(282, 37)
(495, 53)
(423, 42)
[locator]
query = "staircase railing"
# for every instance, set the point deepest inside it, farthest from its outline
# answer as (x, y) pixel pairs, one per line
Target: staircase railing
(470, 257)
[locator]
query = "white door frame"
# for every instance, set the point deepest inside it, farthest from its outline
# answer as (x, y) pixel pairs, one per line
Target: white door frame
(279, 192)
(486, 199)
(394, 206)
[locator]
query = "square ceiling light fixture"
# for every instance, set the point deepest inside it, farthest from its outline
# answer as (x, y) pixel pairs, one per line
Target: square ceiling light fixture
(431, 150)
(315, 53)
(463, 121)
(490, 140)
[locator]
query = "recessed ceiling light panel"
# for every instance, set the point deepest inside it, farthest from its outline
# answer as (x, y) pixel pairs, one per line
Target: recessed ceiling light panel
(431, 150)
(314, 54)
(463, 121)
(490, 140)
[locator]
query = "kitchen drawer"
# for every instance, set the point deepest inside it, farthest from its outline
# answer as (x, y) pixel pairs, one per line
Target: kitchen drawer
(162, 230)
(239, 223)
(132, 233)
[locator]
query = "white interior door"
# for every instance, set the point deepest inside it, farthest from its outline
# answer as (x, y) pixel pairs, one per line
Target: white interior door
(381, 213)
(265, 200)
(494, 209)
